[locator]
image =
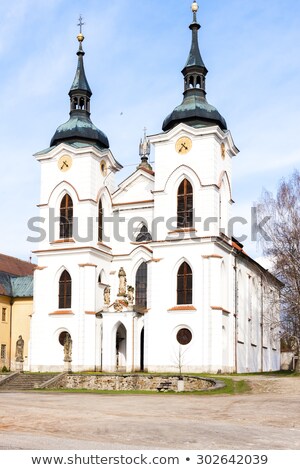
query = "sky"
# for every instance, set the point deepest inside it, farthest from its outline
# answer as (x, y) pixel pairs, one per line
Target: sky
(135, 51)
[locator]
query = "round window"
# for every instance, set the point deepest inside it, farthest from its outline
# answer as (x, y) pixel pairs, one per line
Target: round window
(184, 336)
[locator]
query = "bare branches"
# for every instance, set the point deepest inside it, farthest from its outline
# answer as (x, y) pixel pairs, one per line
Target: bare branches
(283, 246)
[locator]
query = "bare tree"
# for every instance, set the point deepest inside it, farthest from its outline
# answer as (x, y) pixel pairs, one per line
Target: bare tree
(282, 247)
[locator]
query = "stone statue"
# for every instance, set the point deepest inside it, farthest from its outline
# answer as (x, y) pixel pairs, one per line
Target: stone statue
(107, 295)
(68, 348)
(122, 283)
(130, 294)
(20, 349)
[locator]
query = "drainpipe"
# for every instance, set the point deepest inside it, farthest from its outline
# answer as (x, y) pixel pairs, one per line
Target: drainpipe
(101, 354)
(235, 315)
(261, 325)
(10, 331)
(133, 343)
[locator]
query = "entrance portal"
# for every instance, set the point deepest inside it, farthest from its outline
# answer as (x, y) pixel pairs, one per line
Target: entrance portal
(121, 348)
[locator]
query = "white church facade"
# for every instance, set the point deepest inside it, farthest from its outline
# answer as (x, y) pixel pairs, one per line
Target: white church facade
(146, 276)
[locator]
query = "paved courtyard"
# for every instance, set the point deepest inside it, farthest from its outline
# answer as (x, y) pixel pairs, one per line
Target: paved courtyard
(266, 418)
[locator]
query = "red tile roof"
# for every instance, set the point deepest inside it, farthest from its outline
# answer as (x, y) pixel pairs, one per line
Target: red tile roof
(238, 247)
(15, 266)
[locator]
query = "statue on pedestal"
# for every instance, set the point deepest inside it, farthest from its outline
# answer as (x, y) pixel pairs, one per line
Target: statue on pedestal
(122, 283)
(68, 348)
(20, 349)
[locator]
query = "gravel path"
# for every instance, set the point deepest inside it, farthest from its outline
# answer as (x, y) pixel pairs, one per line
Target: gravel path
(268, 417)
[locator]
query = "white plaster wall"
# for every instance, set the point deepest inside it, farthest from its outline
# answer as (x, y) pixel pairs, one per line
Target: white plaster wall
(205, 352)
(212, 320)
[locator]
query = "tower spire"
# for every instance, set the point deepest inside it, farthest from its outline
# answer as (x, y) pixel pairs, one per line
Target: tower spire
(80, 92)
(79, 128)
(194, 111)
(194, 70)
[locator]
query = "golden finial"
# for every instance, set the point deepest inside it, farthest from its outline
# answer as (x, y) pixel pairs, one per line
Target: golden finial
(195, 7)
(80, 36)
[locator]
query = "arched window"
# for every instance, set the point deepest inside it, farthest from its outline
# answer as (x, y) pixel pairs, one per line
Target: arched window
(102, 277)
(66, 217)
(65, 290)
(184, 285)
(185, 205)
(144, 235)
(100, 221)
(141, 286)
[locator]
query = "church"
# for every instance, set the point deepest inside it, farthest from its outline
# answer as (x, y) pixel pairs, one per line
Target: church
(146, 275)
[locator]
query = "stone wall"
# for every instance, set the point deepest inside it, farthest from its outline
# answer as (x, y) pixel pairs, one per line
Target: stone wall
(132, 382)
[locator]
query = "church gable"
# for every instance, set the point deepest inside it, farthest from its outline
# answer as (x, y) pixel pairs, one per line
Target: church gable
(137, 188)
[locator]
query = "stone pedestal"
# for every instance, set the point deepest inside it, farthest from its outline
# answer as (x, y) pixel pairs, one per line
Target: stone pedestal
(180, 385)
(68, 366)
(19, 366)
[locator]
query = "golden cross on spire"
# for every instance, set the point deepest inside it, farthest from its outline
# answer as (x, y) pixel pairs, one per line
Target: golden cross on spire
(80, 36)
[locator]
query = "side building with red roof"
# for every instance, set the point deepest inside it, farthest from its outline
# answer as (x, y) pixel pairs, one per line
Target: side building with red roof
(16, 303)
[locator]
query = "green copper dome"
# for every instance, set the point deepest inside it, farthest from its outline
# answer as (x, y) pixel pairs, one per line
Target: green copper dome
(79, 128)
(194, 110)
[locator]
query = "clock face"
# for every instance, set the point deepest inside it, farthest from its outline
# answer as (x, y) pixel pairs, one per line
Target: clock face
(183, 145)
(64, 163)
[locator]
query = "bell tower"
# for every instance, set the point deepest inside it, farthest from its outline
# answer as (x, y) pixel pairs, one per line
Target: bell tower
(77, 178)
(196, 146)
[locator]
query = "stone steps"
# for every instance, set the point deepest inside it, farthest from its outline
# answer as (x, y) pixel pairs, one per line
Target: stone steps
(26, 381)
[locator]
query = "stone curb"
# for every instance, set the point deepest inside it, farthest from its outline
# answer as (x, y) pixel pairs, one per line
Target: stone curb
(53, 381)
(8, 378)
(215, 384)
